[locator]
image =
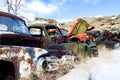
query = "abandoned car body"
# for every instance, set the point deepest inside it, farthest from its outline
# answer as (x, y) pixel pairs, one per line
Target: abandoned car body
(109, 38)
(19, 52)
(56, 42)
(52, 38)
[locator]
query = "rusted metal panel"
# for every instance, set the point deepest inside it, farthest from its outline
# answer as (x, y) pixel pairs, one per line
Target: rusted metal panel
(23, 58)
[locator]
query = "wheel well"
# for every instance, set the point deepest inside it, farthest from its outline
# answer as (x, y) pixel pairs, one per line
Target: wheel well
(6, 69)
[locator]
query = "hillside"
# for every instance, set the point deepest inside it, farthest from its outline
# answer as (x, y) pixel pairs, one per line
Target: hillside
(47, 20)
(100, 23)
(106, 22)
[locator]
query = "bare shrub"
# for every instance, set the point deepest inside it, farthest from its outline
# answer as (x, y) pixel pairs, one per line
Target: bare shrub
(100, 19)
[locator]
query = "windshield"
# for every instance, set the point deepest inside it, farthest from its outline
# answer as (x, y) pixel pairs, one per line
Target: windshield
(63, 32)
(52, 30)
(12, 25)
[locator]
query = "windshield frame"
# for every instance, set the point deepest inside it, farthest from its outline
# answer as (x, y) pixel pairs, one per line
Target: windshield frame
(14, 25)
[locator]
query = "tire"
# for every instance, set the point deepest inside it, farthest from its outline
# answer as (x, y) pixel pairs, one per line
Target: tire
(41, 64)
(117, 45)
(94, 52)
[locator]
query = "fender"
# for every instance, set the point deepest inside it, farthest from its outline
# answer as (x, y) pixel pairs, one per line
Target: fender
(22, 58)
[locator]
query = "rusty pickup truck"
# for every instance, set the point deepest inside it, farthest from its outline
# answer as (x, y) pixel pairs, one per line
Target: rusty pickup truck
(20, 54)
(59, 44)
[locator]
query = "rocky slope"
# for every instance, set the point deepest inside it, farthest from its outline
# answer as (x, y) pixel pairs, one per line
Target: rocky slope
(100, 23)
(105, 22)
(47, 20)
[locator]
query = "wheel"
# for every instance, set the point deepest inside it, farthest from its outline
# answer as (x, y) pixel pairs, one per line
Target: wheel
(41, 64)
(117, 45)
(94, 52)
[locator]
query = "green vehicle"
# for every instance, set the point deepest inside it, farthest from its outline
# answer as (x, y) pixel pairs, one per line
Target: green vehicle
(57, 44)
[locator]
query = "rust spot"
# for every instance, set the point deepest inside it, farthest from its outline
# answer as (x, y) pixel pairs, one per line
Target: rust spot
(29, 60)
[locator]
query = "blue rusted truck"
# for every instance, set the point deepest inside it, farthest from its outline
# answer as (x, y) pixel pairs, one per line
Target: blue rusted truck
(20, 54)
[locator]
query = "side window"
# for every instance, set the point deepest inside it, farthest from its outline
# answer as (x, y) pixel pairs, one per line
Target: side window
(51, 32)
(35, 31)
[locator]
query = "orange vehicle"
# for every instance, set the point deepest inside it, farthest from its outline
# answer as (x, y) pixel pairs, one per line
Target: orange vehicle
(80, 26)
(77, 31)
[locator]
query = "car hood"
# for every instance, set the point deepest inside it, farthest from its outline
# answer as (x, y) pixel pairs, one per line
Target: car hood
(79, 26)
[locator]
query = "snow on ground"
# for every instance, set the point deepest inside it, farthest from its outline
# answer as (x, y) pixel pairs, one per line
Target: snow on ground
(104, 67)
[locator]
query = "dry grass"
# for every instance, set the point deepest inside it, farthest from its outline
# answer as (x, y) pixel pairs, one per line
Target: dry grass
(55, 74)
(63, 68)
(81, 57)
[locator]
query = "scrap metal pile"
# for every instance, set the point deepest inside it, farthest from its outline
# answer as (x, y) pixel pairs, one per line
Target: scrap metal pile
(110, 38)
(25, 50)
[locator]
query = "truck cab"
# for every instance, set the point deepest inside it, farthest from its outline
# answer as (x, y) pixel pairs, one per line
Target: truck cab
(20, 53)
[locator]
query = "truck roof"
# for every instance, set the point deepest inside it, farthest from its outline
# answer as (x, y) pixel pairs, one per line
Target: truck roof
(41, 24)
(10, 15)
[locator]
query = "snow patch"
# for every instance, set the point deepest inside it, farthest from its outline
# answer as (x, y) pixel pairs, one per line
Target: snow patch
(104, 67)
